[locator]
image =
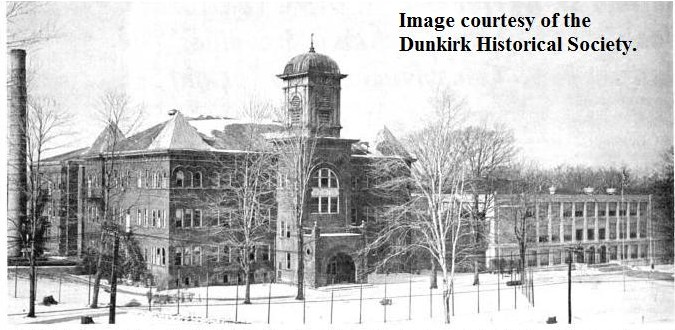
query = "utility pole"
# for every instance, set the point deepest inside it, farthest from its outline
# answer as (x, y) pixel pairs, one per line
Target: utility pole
(570, 251)
(569, 287)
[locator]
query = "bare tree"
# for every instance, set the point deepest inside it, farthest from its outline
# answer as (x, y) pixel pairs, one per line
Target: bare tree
(432, 220)
(245, 199)
(487, 151)
(294, 150)
(526, 182)
(116, 112)
(46, 122)
(22, 29)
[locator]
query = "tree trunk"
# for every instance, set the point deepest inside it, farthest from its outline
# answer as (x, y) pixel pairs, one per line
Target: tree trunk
(247, 274)
(301, 264)
(113, 282)
(98, 274)
(32, 278)
(476, 280)
(433, 278)
(521, 267)
(446, 299)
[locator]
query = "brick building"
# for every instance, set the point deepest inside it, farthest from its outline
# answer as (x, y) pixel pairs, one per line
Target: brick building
(157, 182)
(607, 227)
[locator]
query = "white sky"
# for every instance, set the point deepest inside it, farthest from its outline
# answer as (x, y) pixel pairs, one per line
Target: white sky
(209, 58)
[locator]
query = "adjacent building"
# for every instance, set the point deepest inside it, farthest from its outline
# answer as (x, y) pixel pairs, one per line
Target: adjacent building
(605, 228)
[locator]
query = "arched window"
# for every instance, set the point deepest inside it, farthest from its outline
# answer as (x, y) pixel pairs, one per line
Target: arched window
(180, 178)
(163, 257)
(197, 180)
(165, 180)
(188, 179)
(325, 192)
(325, 178)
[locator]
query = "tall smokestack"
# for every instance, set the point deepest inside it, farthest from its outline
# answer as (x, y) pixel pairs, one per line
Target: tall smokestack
(16, 151)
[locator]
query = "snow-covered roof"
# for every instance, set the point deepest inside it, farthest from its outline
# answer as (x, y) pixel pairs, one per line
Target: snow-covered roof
(177, 133)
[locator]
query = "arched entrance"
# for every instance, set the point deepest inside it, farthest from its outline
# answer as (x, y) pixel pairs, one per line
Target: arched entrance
(341, 269)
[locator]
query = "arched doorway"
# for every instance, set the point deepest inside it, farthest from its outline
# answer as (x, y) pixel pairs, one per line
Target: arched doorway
(341, 269)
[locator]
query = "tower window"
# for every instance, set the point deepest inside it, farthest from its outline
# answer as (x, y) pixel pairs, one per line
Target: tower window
(324, 117)
(295, 110)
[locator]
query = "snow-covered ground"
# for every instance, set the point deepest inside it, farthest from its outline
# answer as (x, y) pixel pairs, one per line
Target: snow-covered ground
(598, 299)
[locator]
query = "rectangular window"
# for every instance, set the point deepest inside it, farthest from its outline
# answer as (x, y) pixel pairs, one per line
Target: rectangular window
(644, 209)
(612, 228)
(139, 217)
(633, 208)
(601, 233)
(590, 209)
(139, 180)
(353, 217)
(590, 234)
(580, 234)
(579, 210)
(179, 218)
(288, 260)
(612, 209)
(154, 218)
(145, 217)
(602, 209)
(197, 256)
(622, 210)
(567, 210)
(188, 218)
(187, 256)
(265, 251)
(178, 258)
(198, 218)
(555, 230)
(568, 231)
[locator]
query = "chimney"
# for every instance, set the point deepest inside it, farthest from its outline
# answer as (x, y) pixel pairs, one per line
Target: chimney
(16, 151)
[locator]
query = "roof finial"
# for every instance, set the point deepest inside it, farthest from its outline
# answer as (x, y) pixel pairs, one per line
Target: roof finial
(311, 45)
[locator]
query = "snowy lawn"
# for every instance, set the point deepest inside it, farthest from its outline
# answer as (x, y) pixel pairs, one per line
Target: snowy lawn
(598, 298)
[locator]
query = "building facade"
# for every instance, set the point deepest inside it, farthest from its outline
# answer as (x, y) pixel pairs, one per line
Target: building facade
(606, 228)
(159, 185)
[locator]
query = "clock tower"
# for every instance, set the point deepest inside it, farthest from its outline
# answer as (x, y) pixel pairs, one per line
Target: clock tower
(312, 93)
